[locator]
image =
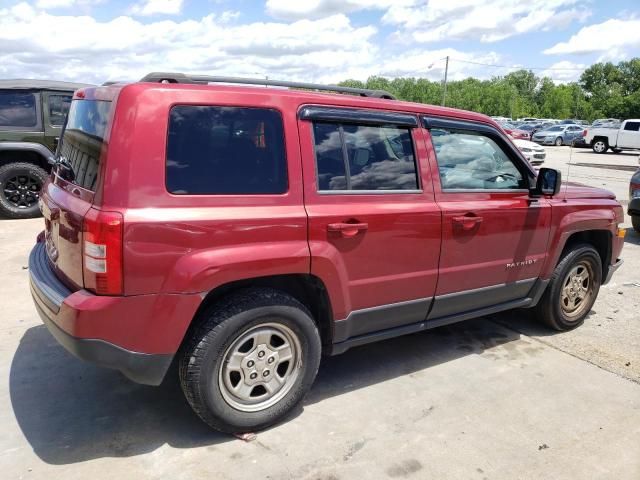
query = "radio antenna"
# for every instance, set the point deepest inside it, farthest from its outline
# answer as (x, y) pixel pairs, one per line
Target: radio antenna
(566, 183)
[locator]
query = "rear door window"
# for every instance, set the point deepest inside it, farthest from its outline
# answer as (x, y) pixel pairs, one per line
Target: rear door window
(81, 142)
(364, 157)
(632, 126)
(215, 150)
(18, 110)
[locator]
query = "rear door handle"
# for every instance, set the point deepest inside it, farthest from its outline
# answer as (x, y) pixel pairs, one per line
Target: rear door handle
(467, 222)
(347, 230)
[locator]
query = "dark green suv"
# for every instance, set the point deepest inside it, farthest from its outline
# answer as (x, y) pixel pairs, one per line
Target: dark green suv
(32, 113)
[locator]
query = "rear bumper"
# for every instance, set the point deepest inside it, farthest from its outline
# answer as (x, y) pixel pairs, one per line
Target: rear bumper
(137, 335)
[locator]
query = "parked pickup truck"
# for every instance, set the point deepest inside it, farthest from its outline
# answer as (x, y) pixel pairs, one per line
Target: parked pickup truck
(627, 137)
(245, 231)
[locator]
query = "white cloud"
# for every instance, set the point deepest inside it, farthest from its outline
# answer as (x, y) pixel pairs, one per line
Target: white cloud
(85, 49)
(487, 21)
(564, 71)
(431, 64)
(610, 38)
(299, 9)
(155, 7)
(54, 3)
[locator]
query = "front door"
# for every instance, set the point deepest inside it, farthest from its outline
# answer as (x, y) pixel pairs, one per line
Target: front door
(374, 228)
(494, 239)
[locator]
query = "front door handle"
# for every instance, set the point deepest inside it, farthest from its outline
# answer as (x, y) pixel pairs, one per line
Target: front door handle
(467, 222)
(346, 229)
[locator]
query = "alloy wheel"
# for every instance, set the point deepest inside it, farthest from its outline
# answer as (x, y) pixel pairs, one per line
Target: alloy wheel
(22, 191)
(599, 146)
(260, 367)
(577, 290)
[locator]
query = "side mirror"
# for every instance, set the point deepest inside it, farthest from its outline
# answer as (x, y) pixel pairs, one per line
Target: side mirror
(548, 182)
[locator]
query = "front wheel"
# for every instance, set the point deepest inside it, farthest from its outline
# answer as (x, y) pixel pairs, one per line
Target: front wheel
(558, 142)
(20, 185)
(251, 361)
(573, 289)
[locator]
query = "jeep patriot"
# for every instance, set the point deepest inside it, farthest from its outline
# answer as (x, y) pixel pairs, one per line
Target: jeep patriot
(243, 231)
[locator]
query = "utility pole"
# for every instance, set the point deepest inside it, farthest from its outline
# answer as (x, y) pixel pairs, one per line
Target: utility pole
(446, 72)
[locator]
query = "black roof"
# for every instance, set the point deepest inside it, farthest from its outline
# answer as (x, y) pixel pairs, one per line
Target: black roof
(28, 84)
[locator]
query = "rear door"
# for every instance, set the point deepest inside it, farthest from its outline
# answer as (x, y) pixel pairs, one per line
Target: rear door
(69, 195)
(374, 228)
(629, 136)
(494, 236)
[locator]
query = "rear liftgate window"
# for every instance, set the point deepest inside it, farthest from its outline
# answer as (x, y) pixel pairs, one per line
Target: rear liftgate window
(364, 157)
(225, 150)
(81, 143)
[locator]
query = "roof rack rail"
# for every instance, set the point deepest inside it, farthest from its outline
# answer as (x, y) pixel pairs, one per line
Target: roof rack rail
(163, 77)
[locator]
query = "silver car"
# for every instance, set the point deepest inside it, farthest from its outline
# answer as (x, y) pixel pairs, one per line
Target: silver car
(558, 135)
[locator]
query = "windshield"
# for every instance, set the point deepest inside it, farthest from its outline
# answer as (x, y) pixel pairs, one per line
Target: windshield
(81, 143)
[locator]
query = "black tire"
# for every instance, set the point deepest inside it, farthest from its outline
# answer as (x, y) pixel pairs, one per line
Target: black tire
(599, 145)
(21, 207)
(635, 221)
(549, 310)
(202, 357)
(558, 142)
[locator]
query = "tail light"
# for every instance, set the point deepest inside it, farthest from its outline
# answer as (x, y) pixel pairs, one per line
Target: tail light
(102, 252)
(584, 133)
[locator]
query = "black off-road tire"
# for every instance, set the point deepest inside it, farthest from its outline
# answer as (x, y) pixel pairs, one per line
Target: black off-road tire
(548, 310)
(219, 327)
(12, 170)
(635, 221)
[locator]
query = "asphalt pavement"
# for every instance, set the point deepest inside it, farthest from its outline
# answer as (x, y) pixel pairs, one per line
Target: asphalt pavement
(492, 398)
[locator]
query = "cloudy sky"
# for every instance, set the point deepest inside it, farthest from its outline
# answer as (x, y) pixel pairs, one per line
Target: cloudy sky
(312, 40)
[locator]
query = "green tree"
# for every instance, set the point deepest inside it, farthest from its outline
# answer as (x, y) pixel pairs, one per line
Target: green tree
(604, 90)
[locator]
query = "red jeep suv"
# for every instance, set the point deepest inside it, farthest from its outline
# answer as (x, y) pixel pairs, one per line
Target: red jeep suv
(242, 231)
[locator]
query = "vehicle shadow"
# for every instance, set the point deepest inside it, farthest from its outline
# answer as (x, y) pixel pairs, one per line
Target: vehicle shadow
(70, 411)
(632, 237)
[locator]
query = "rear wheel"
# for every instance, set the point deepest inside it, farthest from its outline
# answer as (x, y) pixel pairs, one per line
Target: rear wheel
(616, 150)
(599, 146)
(20, 185)
(573, 289)
(251, 361)
(635, 221)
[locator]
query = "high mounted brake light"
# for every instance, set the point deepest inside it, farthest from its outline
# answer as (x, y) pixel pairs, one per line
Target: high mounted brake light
(102, 252)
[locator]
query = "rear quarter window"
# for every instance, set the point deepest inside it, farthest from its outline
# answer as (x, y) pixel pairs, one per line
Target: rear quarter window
(18, 109)
(213, 150)
(58, 109)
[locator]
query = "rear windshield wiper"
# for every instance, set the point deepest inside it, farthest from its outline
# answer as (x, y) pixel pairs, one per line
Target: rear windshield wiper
(65, 169)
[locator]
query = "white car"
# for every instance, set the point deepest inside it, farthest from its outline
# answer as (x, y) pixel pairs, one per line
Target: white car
(533, 152)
